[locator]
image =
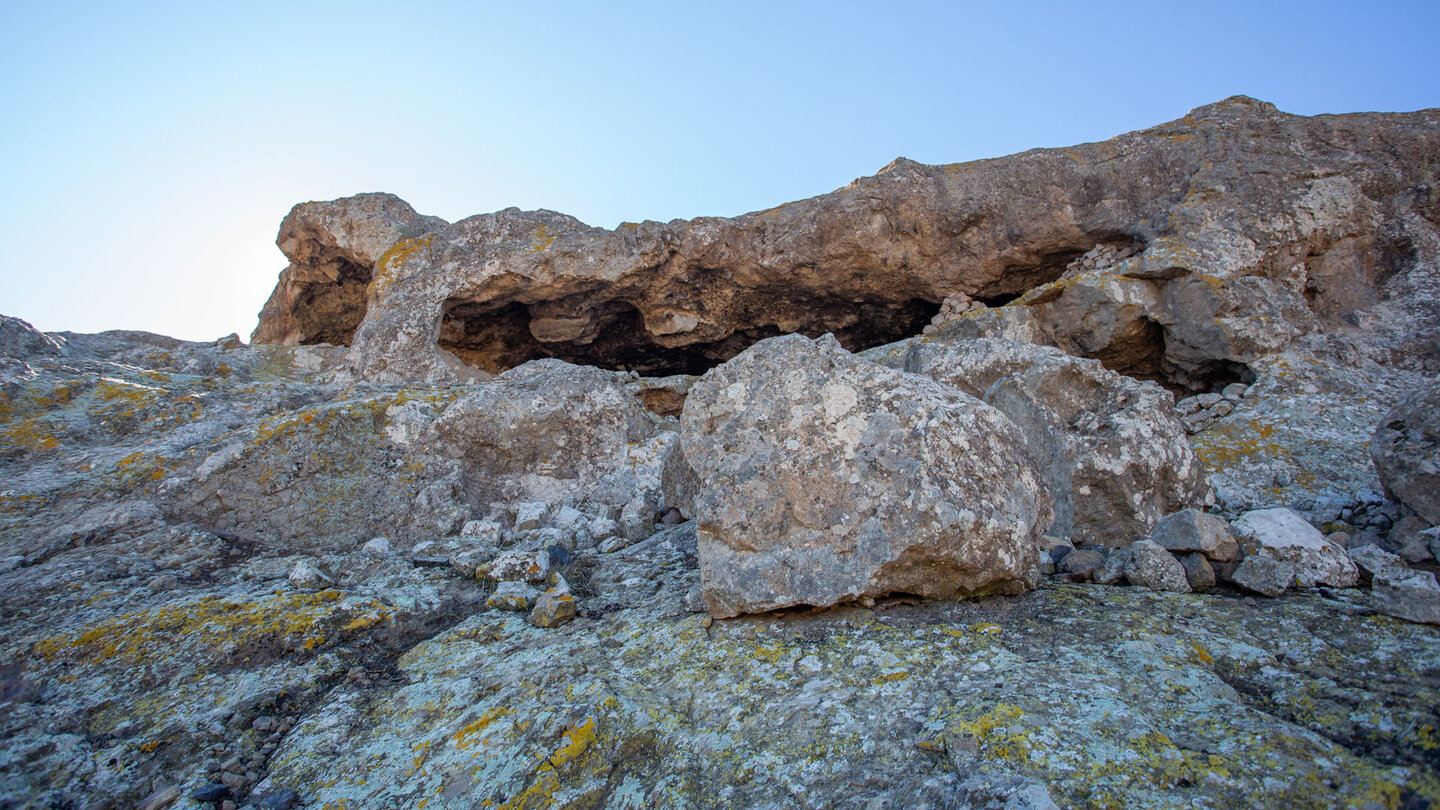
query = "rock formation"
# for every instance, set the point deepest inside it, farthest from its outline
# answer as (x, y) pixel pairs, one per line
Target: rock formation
(434, 541)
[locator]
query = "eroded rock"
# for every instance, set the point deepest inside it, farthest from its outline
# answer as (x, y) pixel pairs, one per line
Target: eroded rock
(828, 478)
(1406, 451)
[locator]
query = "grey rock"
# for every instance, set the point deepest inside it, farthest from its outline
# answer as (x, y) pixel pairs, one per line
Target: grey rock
(514, 595)
(1284, 535)
(1112, 571)
(305, 575)
(20, 340)
(1406, 452)
(1198, 572)
(1413, 596)
(1151, 566)
(1406, 538)
(1083, 563)
(1373, 561)
(282, 799)
(530, 516)
(1264, 575)
(1191, 530)
(520, 566)
(377, 547)
(1102, 438)
(483, 532)
(829, 478)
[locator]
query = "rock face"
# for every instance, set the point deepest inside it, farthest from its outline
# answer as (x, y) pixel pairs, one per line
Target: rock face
(828, 478)
(1113, 454)
(1406, 451)
(1179, 253)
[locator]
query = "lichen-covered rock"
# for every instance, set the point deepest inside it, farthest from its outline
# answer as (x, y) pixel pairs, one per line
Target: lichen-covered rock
(515, 595)
(1406, 452)
(1150, 566)
(18, 339)
(1191, 530)
(554, 433)
(1284, 535)
(1413, 596)
(520, 566)
(828, 478)
(1264, 575)
(1372, 561)
(1114, 456)
(553, 608)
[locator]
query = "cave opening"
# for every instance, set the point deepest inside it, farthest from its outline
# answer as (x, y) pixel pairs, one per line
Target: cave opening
(1142, 352)
(495, 337)
(331, 311)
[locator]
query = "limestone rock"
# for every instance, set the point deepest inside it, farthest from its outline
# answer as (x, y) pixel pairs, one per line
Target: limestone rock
(1151, 566)
(1264, 575)
(1180, 268)
(553, 433)
(1284, 535)
(1191, 530)
(1114, 457)
(333, 247)
(1406, 452)
(1413, 596)
(521, 566)
(828, 478)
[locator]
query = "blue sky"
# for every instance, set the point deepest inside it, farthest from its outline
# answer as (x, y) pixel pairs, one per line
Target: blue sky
(149, 150)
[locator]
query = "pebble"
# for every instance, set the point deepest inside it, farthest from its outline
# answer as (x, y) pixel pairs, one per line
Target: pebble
(234, 781)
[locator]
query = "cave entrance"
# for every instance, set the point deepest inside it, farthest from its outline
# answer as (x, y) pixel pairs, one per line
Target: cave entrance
(496, 337)
(1141, 351)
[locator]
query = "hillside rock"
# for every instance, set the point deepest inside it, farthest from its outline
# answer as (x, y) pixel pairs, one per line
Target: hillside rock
(333, 247)
(828, 478)
(1197, 247)
(1406, 452)
(1111, 450)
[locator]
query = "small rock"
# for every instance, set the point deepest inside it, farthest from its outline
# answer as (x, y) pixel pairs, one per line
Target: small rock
(530, 515)
(470, 563)
(233, 765)
(672, 517)
(227, 805)
(559, 555)
(377, 547)
(637, 519)
(1373, 561)
(1234, 391)
(234, 781)
(1341, 539)
(553, 608)
(610, 545)
(1081, 565)
(695, 600)
(1264, 575)
(164, 797)
(306, 576)
(1198, 572)
(1407, 541)
(602, 528)
(162, 582)
(282, 799)
(1151, 566)
(521, 566)
(1284, 535)
(265, 723)
(1414, 597)
(486, 532)
(1113, 570)
(1191, 530)
(513, 595)
(213, 792)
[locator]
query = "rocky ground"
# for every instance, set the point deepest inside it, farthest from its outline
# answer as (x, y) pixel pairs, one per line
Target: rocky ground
(1154, 525)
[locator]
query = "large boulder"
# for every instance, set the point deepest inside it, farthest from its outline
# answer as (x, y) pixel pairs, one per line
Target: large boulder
(554, 433)
(1406, 452)
(1283, 535)
(1112, 451)
(828, 478)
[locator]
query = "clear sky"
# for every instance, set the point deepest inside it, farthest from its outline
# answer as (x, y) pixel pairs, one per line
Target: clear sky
(148, 151)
